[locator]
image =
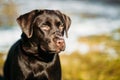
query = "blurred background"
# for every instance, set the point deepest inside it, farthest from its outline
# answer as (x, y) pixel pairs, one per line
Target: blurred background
(93, 45)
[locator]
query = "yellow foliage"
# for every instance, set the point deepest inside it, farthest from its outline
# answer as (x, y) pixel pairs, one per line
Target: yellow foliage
(91, 66)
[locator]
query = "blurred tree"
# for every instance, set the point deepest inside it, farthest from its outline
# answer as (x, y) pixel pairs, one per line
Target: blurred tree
(108, 42)
(8, 13)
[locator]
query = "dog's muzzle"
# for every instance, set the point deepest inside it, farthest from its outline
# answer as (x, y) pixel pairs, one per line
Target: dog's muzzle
(60, 43)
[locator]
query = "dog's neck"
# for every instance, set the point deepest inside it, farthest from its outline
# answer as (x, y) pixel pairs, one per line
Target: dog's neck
(28, 45)
(37, 53)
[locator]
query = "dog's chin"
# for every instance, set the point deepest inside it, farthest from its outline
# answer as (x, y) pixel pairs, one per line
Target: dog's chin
(51, 51)
(54, 51)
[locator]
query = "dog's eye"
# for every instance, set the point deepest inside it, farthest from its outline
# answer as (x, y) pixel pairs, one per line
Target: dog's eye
(61, 28)
(59, 24)
(45, 27)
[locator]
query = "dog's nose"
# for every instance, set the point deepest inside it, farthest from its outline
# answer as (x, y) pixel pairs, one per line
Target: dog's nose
(60, 42)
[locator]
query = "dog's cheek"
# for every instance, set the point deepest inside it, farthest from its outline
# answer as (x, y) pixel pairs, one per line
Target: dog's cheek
(38, 35)
(51, 44)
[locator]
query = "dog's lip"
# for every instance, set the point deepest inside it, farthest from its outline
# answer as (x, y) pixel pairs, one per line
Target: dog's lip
(52, 51)
(56, 51)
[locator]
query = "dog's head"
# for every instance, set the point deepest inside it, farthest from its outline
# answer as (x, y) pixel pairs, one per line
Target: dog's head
(46, 28)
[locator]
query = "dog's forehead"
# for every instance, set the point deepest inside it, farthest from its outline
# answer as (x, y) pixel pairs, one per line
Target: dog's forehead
(47, 17)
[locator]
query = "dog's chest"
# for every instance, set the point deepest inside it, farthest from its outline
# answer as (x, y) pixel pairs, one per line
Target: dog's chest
(46, 69)
(39, 66)
(36, 69)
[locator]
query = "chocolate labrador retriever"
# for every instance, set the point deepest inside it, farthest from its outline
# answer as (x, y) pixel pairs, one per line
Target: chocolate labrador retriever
(35, 56)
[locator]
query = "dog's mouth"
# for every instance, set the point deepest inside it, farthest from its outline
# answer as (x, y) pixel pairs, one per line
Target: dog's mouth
(54, 47)
(60, 45)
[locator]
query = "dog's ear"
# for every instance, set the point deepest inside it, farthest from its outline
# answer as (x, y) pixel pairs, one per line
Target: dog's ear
(25, 21)
(66, 21)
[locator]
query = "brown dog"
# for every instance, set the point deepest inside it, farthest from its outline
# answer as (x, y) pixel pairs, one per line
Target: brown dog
(35, 55)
